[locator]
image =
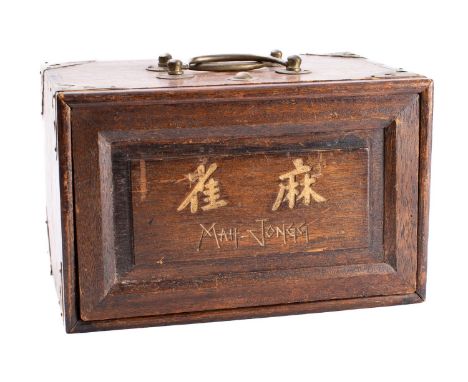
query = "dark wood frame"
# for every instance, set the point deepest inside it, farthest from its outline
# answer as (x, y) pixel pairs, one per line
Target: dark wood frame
(417, 91)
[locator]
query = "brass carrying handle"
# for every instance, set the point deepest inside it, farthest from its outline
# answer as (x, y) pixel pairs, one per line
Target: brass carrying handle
(174, 69)
(243, 62)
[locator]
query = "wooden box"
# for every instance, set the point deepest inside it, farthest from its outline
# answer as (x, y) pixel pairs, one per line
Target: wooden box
(210, 197)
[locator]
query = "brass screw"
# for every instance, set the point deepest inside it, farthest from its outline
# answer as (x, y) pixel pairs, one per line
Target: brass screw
(174, 67)
(294, 63)
(276, 53)
(163, 59)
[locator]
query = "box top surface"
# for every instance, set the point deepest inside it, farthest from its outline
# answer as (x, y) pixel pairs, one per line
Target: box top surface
(122, 75)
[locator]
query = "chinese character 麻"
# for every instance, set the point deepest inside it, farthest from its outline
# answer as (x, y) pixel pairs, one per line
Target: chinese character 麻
(289, 187)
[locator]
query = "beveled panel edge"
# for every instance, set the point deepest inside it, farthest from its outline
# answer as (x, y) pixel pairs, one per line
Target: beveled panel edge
(121, 152)
(377, 279)
(245, 313)
(114, 151)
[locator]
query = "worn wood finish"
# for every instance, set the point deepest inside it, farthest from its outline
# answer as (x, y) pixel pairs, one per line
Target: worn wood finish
(127, 252)
(425, 144)
(131, 75)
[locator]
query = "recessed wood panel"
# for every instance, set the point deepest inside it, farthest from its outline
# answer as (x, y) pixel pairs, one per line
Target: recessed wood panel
(253, 208)
(252, 204)
(226, 207)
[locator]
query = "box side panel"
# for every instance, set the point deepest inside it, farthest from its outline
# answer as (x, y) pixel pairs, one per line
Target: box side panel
(53, 212)
(69, 278)
(59, 205)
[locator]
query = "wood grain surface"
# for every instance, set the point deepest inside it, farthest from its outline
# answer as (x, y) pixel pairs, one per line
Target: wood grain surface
(127, 251)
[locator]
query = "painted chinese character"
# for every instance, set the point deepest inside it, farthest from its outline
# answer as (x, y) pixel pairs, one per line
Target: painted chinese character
(289, 187)
(206, 186)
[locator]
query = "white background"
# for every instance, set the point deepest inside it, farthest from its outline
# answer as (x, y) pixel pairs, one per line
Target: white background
(417, 342)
